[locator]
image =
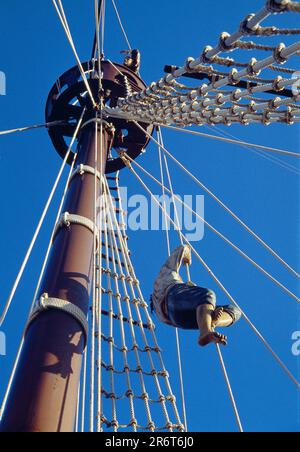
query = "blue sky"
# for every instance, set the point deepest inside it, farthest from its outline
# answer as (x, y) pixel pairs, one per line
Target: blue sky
(33, 53)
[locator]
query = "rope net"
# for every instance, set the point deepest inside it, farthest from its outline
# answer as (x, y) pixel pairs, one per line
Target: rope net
(131, 390)
(235, 88)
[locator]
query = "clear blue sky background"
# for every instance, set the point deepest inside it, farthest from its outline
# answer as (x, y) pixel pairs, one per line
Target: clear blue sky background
(33, 53)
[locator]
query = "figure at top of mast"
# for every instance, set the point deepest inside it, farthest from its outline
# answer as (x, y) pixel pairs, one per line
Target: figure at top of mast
(188, 306)
(132, 60)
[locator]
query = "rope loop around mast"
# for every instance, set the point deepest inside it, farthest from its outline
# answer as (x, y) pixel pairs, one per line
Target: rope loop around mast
(46, 303)
(85, 169)
(67, 219)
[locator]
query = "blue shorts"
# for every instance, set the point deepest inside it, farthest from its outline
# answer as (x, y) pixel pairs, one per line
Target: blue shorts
(183, 300)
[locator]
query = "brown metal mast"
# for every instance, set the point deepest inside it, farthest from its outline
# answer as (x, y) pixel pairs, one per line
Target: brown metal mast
(43, 397)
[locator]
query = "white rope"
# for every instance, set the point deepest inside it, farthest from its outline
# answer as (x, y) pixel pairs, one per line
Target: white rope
(94, 316)
(256, 331)
(84, 391)
(169, 102)
(99, 280)
(16, 363)
(64, 22)
(276, 160)
(224, 206)
(178, 343)
(77, 410)
(132, 277)
(98, 48)
(25, 129)
(103, 24)
(121, 24)
(179, 359)
(223, 237)
(232, 398)
(67, 219)
(238, 142)
(39, 226)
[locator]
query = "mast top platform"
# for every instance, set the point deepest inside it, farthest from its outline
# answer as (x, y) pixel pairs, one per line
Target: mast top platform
(68, 97)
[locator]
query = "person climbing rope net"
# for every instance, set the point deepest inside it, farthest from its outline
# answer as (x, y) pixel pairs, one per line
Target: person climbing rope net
(188, 306)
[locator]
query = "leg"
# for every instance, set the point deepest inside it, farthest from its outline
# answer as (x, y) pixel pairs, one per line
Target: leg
(205, 323)
(221, 318)
(225, 316)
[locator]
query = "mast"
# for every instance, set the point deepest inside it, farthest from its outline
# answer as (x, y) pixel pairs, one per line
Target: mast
(43, 397)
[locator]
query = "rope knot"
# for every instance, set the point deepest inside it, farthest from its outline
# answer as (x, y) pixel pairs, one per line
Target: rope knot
(220, 99)
(165, 374)
(232, 77)
(145, 396)
(162, 398)
(236, 95)
(251, 68)
(277, 83)
(290, 117)
(171, 398)
(129, 393)
(133, 423)
(273, 103)
(169, 426)
(243, 119)
(151, 426)
(279, 58)
(277, 6)
(115, 424)
(203, 90)
(188, 63)
(252, 108)
(244, 26)
(223, 47)
(204, 58)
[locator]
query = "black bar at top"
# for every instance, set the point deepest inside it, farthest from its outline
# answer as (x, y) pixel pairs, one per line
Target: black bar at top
(242, 84)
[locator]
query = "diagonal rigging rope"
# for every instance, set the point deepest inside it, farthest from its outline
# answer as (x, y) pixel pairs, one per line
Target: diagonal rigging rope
(219, 352)
(160, 139)
(25, 129)
(128, 276)
(231, 395)
(179, 359)
(223, 205)
(219, 283)
(276, 160)
(97, 34)
(121, 24)
(219, 234)
(62, 16)
(39, 226)
(232, 141)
